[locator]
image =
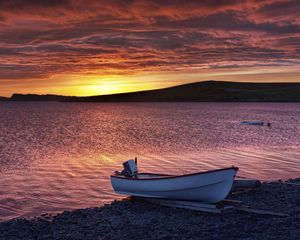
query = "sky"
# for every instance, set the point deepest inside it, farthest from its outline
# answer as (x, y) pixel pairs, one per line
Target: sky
(83, 48)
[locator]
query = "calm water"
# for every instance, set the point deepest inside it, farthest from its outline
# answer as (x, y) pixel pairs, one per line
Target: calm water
(58, 156)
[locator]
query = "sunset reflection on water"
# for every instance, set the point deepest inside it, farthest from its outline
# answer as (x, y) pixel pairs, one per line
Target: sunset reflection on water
(59, 156)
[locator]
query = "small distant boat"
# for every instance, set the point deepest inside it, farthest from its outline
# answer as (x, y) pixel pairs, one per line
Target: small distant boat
(260, 123)
(207, 187)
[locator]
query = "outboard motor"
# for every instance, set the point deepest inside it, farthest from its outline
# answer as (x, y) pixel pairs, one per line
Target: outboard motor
(130, 168)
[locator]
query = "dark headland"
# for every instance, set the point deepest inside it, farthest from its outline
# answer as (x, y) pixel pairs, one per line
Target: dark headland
(208, 91)
(137, 220)
(4, 99)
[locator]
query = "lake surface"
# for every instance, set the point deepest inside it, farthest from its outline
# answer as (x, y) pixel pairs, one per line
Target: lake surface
(59, 156)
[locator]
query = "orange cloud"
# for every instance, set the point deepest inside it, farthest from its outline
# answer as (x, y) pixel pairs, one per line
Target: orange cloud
(43, 40)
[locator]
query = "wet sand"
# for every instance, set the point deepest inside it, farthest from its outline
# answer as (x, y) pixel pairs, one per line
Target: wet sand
(130, 219)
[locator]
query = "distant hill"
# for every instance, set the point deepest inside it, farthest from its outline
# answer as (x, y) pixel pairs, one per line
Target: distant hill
(208, 91)
(4, 98)
(36, 97)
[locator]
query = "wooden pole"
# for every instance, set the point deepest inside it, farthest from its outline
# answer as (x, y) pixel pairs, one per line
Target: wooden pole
(263, 212)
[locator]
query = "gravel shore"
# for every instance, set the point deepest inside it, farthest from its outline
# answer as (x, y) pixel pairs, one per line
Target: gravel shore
(130, 219)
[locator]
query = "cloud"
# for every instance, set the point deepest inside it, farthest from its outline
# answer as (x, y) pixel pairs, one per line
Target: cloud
(39, 39)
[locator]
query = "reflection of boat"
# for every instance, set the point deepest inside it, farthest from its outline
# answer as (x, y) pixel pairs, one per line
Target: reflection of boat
(209, 187)
(261, 123)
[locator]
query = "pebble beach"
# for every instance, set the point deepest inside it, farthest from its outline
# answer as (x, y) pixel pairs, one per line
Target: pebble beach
(132, 219)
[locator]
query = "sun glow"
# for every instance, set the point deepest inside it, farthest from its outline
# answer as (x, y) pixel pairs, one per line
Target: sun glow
(103, 85)
(91, 84)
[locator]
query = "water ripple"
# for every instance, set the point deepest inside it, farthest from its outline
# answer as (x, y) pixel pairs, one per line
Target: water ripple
(58, 156)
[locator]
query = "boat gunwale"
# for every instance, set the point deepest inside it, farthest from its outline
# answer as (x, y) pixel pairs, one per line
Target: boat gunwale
(172, 176)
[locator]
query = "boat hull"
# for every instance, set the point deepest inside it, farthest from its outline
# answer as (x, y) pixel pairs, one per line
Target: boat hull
(208, 187)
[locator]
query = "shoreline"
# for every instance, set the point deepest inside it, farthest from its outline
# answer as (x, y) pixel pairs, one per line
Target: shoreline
(141, 220)
(203, 91)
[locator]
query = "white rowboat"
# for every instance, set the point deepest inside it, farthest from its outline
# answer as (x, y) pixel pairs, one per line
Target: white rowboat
(208, 187)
